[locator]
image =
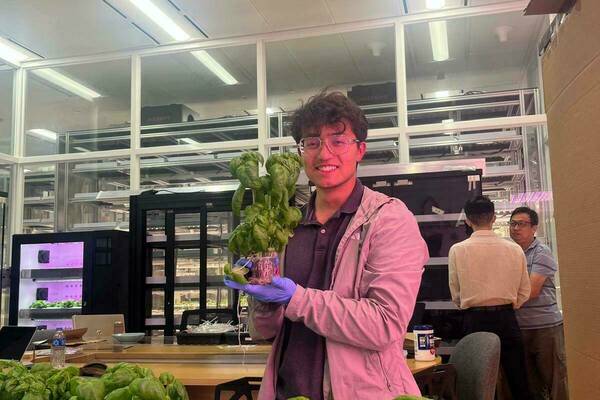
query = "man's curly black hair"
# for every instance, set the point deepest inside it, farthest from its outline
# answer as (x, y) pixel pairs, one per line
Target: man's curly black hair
(327, 108)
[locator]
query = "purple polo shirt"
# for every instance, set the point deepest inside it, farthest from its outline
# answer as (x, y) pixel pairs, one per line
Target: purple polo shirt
(309, 260)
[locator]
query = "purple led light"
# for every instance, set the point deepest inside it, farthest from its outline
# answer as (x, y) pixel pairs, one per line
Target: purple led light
(61, 291)
(61, 255)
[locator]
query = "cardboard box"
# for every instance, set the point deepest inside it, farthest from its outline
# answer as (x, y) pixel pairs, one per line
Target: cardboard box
(571, 74)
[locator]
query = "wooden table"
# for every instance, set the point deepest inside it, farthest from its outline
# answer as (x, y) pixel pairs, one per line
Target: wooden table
(199, 367)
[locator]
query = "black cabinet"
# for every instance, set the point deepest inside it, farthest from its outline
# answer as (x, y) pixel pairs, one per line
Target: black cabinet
(68, 273)
(436, 199)
(178, 254)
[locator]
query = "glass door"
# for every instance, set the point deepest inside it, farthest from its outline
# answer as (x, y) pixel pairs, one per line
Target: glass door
(189, 256)
(219, 298)
(185, 254)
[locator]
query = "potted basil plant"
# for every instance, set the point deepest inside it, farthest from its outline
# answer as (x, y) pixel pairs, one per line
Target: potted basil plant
(269, 221)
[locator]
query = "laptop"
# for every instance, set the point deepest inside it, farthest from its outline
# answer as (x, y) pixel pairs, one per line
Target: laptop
(14, 341)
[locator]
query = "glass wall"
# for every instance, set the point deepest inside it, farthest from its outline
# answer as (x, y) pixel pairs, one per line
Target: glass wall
(469, 68)
(5, 173)
(361, 64)
(485, 68)
(77, 195)
(514, 167)
(199, 96)
(6, 94)
(187, 169)
(78, 108)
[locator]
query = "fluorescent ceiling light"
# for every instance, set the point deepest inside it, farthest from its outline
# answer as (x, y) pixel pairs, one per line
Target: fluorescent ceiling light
(435, 4)
(438, 33)
(175, 31)
(161, 19)
(82, 149)
(9, 53)
(214, 67)
(44, 134)
(67, 83)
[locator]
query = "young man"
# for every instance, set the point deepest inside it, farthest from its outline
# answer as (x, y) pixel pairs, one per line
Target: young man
(488, 278)
(352, 273)
(540, 320)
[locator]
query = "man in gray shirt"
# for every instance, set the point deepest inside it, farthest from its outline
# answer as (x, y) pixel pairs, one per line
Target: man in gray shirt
(539, 318)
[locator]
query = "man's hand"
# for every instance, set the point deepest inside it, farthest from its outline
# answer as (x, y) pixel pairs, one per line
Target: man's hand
(279, 291)
(537, 282)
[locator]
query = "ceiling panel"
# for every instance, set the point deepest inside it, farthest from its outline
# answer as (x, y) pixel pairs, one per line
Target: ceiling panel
(473, 42)
(221, 18)
(352, 10)
(332, 60)
(373, 53)
(289, 14)
(325, 60)
(63, 28)
(284, 74)
(419, 6)
(181, 78)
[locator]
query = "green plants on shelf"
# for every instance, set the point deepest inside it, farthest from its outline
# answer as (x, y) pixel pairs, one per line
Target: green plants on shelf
(56, 304)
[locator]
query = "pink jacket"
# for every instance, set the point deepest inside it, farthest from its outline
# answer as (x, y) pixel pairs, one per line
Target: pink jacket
(365, 313)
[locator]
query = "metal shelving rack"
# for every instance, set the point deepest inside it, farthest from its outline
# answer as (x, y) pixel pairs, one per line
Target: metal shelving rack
(61, 199)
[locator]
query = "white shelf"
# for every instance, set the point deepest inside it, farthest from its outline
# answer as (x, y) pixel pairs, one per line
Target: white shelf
(49, 313)
(41, 222)
(92, 226)
(437, 261)
(440, 305)
(440, 217)
(30, 201)
(52, 274)
(103, 195)
(155, 321)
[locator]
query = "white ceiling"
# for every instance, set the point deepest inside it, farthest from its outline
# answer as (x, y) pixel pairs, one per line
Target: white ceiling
(61, 28)
(473, 44)
(64, 28)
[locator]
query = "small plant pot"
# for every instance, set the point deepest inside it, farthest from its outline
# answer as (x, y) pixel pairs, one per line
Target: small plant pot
(266, 266)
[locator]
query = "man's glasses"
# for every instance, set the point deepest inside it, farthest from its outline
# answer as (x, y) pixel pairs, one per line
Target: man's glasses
(336, 144)
(520, 224)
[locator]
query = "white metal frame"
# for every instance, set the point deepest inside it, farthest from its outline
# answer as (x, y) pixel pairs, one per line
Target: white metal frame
(263, 143)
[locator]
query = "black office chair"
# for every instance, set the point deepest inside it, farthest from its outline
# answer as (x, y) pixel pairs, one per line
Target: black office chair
(239, 387)
(438, 382)
(195, 317)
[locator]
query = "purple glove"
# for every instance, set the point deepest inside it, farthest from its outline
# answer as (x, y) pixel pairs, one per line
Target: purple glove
(280, 290)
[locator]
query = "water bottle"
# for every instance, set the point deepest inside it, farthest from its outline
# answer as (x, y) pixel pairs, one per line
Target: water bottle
(57, 352)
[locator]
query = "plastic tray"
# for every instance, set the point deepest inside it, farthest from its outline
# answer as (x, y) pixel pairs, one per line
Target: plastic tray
(199, 338)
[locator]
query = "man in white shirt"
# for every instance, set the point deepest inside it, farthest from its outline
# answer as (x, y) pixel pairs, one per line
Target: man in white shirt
(488, 278)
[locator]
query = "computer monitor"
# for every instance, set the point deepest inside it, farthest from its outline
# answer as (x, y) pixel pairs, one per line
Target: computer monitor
(14, 341)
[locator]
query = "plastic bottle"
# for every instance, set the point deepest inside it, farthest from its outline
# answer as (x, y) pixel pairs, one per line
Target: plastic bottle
(57, 352)
(424, 343)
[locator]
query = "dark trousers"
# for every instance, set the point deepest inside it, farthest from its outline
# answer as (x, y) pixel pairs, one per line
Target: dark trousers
(546, 362)
(502, 322)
